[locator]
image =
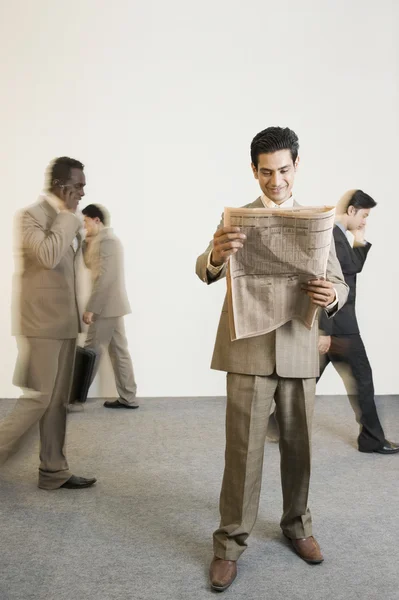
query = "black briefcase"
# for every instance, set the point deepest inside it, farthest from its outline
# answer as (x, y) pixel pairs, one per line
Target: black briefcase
(83, 373)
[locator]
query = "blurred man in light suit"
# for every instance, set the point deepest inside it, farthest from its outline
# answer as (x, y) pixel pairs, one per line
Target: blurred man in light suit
(47, 322)
(281, 366)
(108, 303)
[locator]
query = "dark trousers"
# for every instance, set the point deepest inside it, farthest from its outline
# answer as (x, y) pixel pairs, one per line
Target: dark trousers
(348, 351)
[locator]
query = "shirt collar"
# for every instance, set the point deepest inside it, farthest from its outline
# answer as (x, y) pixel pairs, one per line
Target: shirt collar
(348, 234)
(59, 205)
(267, 203)
(103, 232)
(54, 201)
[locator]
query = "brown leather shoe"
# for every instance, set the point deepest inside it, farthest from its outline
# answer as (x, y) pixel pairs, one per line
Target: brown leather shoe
(222, 573)
(308, 549)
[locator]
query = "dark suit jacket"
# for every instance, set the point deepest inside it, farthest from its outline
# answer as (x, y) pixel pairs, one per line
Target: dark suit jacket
(351, 261)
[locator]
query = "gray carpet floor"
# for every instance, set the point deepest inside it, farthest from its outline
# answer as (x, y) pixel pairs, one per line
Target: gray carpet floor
(143, 532)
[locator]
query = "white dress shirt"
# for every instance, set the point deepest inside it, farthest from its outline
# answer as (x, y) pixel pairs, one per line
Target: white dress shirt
(267, 203)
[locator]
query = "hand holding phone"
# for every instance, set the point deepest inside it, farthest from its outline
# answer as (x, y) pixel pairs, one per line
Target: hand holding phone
(69, 197)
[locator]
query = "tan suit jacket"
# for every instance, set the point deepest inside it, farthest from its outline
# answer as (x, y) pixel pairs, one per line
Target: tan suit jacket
(104, 257)
(292, 349)
(47, 282)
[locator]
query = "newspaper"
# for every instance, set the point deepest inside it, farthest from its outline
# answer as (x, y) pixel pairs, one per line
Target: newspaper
(284, 249)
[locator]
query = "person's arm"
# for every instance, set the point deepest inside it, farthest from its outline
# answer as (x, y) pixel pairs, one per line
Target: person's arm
(107, 273)
(326, 324)
(335, 276)
(212, 264)
(330, 293)
(206, 271)
(49, 246)
(352, 259)
(85, 249)
(360, 253)
(324, 342)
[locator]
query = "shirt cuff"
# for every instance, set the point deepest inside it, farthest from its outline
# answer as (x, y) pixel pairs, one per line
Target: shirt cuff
(333, 304)
(211, 268)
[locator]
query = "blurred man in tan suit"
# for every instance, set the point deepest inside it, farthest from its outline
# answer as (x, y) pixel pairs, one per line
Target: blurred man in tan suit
(48, 322)
(108, 303)
(280, 366)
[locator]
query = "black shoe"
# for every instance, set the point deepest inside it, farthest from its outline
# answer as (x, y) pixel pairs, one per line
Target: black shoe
(117, 404)
(76, 483)
(387, 448)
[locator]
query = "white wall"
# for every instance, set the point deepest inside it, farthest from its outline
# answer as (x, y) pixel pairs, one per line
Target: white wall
(160, 100)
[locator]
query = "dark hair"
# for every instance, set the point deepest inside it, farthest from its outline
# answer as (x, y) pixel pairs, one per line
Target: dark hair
(60, 169)
(95, 211)
(274, 139)
(361, 200)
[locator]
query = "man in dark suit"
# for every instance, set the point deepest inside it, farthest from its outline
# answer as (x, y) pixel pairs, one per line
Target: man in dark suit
(340, 342)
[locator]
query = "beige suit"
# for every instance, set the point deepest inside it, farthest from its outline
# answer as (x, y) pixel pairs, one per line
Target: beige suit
(47, 326)
(280, 366)
(109, 303)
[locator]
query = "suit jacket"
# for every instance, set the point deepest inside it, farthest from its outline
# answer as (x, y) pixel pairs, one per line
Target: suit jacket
(291, 349)
(351, 261)
(47, 281)
(104, 257)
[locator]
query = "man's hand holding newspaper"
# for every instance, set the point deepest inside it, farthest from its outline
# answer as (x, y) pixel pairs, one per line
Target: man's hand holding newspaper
(320, 292)
(277, 263)
(228, 240)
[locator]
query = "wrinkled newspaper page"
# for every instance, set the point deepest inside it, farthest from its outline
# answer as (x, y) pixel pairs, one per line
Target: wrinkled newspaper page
(284, 249)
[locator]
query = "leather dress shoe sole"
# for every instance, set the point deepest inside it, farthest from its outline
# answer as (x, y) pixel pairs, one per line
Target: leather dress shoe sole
(77, 483)
(219, 588)
(387, 451)
(117, 404)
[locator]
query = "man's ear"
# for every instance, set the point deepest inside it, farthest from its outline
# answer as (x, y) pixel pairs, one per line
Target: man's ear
(296, 163)
(254, 171)
(58, 183)
(351, 210)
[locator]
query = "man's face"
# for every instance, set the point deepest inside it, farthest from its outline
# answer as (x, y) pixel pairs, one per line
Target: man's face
(77, 182)
(75, 185)
(92, 226)
(357, 218)
(276, 173)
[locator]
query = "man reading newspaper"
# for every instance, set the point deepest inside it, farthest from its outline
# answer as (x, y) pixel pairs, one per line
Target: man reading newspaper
(281, 365)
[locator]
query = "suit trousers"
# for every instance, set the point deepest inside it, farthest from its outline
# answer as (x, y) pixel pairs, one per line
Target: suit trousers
(110, 333)
(348, 355)
(249, 401)
(47, 378)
